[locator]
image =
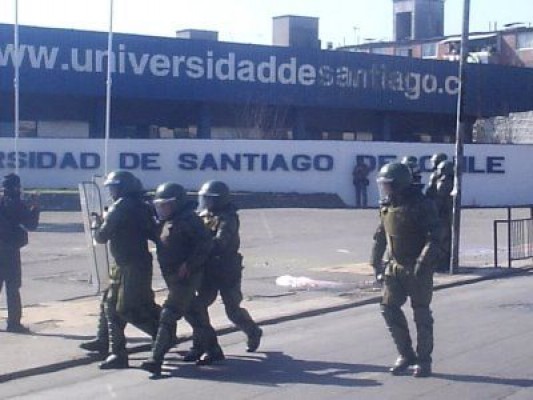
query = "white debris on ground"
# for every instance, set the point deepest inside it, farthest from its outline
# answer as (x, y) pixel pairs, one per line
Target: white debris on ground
(302, 282)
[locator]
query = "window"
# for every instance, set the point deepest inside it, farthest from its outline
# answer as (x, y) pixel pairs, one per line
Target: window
(403, 51)
(380, 50)
(524, 40)
(429, 50)
(26, 129)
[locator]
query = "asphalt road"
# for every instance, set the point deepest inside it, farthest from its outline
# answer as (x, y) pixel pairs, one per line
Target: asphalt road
(483, 351)
(275, 242)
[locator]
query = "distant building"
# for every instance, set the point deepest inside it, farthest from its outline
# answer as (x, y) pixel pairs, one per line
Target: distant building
(418, 32)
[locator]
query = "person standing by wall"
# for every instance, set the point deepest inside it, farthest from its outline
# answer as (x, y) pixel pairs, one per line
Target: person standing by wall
(16, 218)
(360, 181)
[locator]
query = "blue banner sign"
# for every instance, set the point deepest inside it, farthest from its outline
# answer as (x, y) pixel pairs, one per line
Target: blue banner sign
(58, 61)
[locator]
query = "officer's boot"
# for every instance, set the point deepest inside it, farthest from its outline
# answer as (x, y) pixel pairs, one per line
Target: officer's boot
(197, 350)
(424, 346)
(99, 345)
(397, 324)
(212, 355)
(119, 357)
(242, 318)
(254, 339)
(162, 343)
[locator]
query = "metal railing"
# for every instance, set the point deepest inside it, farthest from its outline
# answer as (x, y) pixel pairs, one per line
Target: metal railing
(519, 237)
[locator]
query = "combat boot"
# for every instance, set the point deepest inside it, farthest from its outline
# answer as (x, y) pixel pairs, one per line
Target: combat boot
(115, 361)
(99, 345)
(402, 364)
(118, 358)
(422, 370)
(152, 365)
(18, 328)
(212, 356)
(96, 346)
(194, 354)
(254, 340)
(163, 342)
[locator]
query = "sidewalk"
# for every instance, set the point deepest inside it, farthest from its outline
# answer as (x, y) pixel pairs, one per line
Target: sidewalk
(59, 327)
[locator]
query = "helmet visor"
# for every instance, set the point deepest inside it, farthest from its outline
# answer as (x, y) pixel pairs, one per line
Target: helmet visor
(207, 202)
(113, 190)
(164, 208)
(385, 190)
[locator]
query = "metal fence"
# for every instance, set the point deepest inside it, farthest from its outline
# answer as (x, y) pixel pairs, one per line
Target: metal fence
(519, 235)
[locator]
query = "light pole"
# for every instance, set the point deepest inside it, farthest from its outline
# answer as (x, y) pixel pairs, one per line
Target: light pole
(459, 146)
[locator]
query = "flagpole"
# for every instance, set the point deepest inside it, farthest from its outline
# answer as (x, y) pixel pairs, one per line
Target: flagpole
(16, 77)
(108, 87)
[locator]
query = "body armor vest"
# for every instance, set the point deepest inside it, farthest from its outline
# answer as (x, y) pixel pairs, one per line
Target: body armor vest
(405, 238)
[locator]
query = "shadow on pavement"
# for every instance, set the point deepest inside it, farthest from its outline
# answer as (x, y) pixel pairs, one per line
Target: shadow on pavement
(274, 369)
(485, 379)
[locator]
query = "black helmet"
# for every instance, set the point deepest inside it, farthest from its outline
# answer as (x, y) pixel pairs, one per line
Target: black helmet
(393, 178)
(445, 168)
(412, 163)
(169, 197)
(436, 159)
(214, 195)
(122, 183)
(11, 185)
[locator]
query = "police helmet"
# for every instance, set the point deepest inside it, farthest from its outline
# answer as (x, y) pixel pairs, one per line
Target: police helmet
(11, 185)
(445, 168)
(412, 163)
(436, 159)
(169, 197)
(122, 183)
(393, 178)
(214, 195)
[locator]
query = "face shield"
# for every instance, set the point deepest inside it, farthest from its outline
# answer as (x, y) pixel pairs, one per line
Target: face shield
(165, 208)
(207, 202)
(385, 190)
(114, 191)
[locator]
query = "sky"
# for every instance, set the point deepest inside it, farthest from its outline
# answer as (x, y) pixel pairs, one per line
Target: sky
(342, 22)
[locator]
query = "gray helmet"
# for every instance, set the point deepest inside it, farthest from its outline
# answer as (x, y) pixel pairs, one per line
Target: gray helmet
(396, 175)
(445, 168)
(412, 163)
(214, 195)
(168, 198)
(122, 183)
(436, 159)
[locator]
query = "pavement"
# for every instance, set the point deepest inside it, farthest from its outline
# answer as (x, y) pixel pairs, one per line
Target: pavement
(58, 327)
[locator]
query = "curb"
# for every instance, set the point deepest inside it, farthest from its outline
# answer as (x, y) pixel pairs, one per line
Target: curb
(88, 359)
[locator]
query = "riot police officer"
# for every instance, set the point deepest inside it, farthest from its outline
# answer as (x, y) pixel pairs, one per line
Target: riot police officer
(442, 196)
(16, 217)
(412, 163)
(223, 273)
(127, 226)
(181, 251)
(435, 160)
(409, 226)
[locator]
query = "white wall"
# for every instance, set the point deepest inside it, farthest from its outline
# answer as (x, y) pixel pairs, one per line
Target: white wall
(498, 174)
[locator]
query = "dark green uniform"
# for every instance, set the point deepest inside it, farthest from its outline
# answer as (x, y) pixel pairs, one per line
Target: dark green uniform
(223, 275)
(181, 251)
(128, 225)
(15, 218)
(440, 191)
(409, 228)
